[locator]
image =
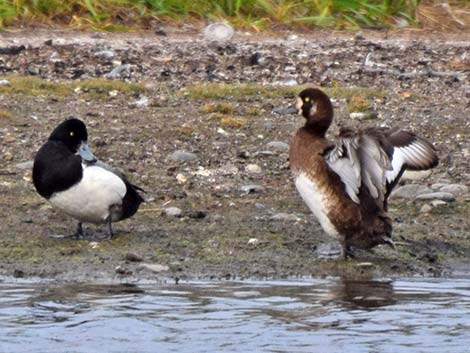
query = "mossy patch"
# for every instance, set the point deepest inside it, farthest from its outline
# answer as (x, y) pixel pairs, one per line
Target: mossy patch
(224, 108)
(359, 104)
(99, 87)
(5, 114)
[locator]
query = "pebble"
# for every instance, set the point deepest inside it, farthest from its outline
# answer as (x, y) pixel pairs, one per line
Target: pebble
(182, 156)
(252, 189)
(108, 54)
(173, 212)
(415, 175)
(426, 208)
(133, 257)
(181, 179)
(253, 241)
(409, 191)
(455, 189)
(328, 250)
(117, 71)
(284, 217)
(363, 115)
(253, 169)
(142, 102)
(154, 267)
(4, 83)
(229, 169)
(25, 165)
(444, 196)
(278, 146)
(437, 203)
(219, 32)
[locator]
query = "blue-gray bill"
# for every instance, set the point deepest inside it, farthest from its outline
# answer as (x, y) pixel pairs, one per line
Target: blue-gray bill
(85, 152)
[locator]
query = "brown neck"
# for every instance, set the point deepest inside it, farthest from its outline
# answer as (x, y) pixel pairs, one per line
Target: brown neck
(319, 122)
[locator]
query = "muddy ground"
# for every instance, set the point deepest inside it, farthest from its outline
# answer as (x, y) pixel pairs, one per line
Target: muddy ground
(241, 216)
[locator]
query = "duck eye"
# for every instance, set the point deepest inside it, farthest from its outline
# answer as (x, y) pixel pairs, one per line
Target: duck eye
(307, 99)
(72, 133)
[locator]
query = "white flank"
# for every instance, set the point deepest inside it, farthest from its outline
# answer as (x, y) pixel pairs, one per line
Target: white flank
(318, 204)
(91, 198)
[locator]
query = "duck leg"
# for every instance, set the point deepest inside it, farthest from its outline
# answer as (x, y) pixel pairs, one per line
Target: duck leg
(110, 229)
(79, 232)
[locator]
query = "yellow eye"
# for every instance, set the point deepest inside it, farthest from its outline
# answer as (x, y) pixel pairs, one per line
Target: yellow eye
(307, 99)
(72, 133)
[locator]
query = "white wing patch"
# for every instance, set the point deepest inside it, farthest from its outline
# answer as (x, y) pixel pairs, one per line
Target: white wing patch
(91, 198)
(315, 200)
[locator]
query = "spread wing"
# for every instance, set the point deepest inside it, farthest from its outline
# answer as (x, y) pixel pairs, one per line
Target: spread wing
(376, 159)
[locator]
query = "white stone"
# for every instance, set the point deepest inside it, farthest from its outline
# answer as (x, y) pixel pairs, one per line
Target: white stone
(219, 32)
(253, 169)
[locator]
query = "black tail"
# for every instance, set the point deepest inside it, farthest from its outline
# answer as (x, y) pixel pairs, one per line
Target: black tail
(131, 201)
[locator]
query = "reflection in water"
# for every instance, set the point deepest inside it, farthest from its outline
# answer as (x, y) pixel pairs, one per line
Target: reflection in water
(284, 316)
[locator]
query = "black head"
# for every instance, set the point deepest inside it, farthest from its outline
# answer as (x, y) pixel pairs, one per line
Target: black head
(72, 133)
(316, 107)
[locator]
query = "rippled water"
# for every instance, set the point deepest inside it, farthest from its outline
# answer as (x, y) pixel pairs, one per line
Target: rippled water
(284, 316)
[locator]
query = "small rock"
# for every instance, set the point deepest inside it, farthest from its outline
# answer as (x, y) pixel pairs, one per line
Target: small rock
(328, 250)
(25, 165)
(133, 257)
(113, 93)
(409, 191)
(18, 273)
(455, 189)
(182, 156)
(426, 208)
(197, 214)
(219, 32)
(228, 169)
(365, 264)
(253, 241)
(160, 32)
(48, 42)
(285, 217)
(438, 203)
(444, 196)
(278, 146)
(252, 189)
(173, 212)
(142, 102)
(181, 179)
(117, 71)
(108, 54)
(284, 110)
(415, 175)
(253, 169)
(363, 115)
(4, 83)
(122, 270)
(13, 50)
(154, 267)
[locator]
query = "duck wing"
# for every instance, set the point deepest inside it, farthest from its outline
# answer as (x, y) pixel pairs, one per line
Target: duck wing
(376, 159)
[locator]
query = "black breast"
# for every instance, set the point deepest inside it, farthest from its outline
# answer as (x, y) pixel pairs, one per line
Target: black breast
(55, 169)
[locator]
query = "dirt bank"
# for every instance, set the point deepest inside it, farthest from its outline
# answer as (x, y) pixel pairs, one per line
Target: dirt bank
(240, 215)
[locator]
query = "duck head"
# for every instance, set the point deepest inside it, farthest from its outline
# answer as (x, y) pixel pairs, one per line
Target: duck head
(73, 134)
(316, 108)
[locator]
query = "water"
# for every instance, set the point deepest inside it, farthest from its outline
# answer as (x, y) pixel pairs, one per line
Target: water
(423, 315)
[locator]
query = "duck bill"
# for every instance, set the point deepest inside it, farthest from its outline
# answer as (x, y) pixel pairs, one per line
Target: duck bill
(85, 152)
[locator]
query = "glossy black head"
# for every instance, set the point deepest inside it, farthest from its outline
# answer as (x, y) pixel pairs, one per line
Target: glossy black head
(71, 133)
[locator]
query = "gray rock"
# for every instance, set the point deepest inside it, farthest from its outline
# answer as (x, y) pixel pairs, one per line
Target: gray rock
(218, 32)
(182, 156)
(133, 257)
(328, 250)
(251, 189)
(455, 189)
(409, 191)
(289, 217)
(253, 169)
(444, 196)
(108, 54)
(438, 203)
(173, 212)
(284, 110)
(157, 268)
(363, 115)
(118, 71)
(278, 146)
(415, 175)
(25, 165)
(426, 208)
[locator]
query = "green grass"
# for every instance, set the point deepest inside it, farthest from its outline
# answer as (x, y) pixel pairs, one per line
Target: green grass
(237, 91)
(115, 15)
(93, 88)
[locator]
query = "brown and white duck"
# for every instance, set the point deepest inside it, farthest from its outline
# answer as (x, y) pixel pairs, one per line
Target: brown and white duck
(346, 183)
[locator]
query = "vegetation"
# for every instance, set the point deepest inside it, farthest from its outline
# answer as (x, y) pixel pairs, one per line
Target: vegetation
(255, 14)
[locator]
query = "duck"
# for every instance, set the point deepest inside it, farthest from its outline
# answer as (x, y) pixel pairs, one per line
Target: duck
(346, 182)
(72, 180)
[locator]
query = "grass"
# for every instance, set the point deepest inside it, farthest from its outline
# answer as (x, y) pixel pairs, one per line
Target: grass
(117, 15)
(94, 87)
(237, 91)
